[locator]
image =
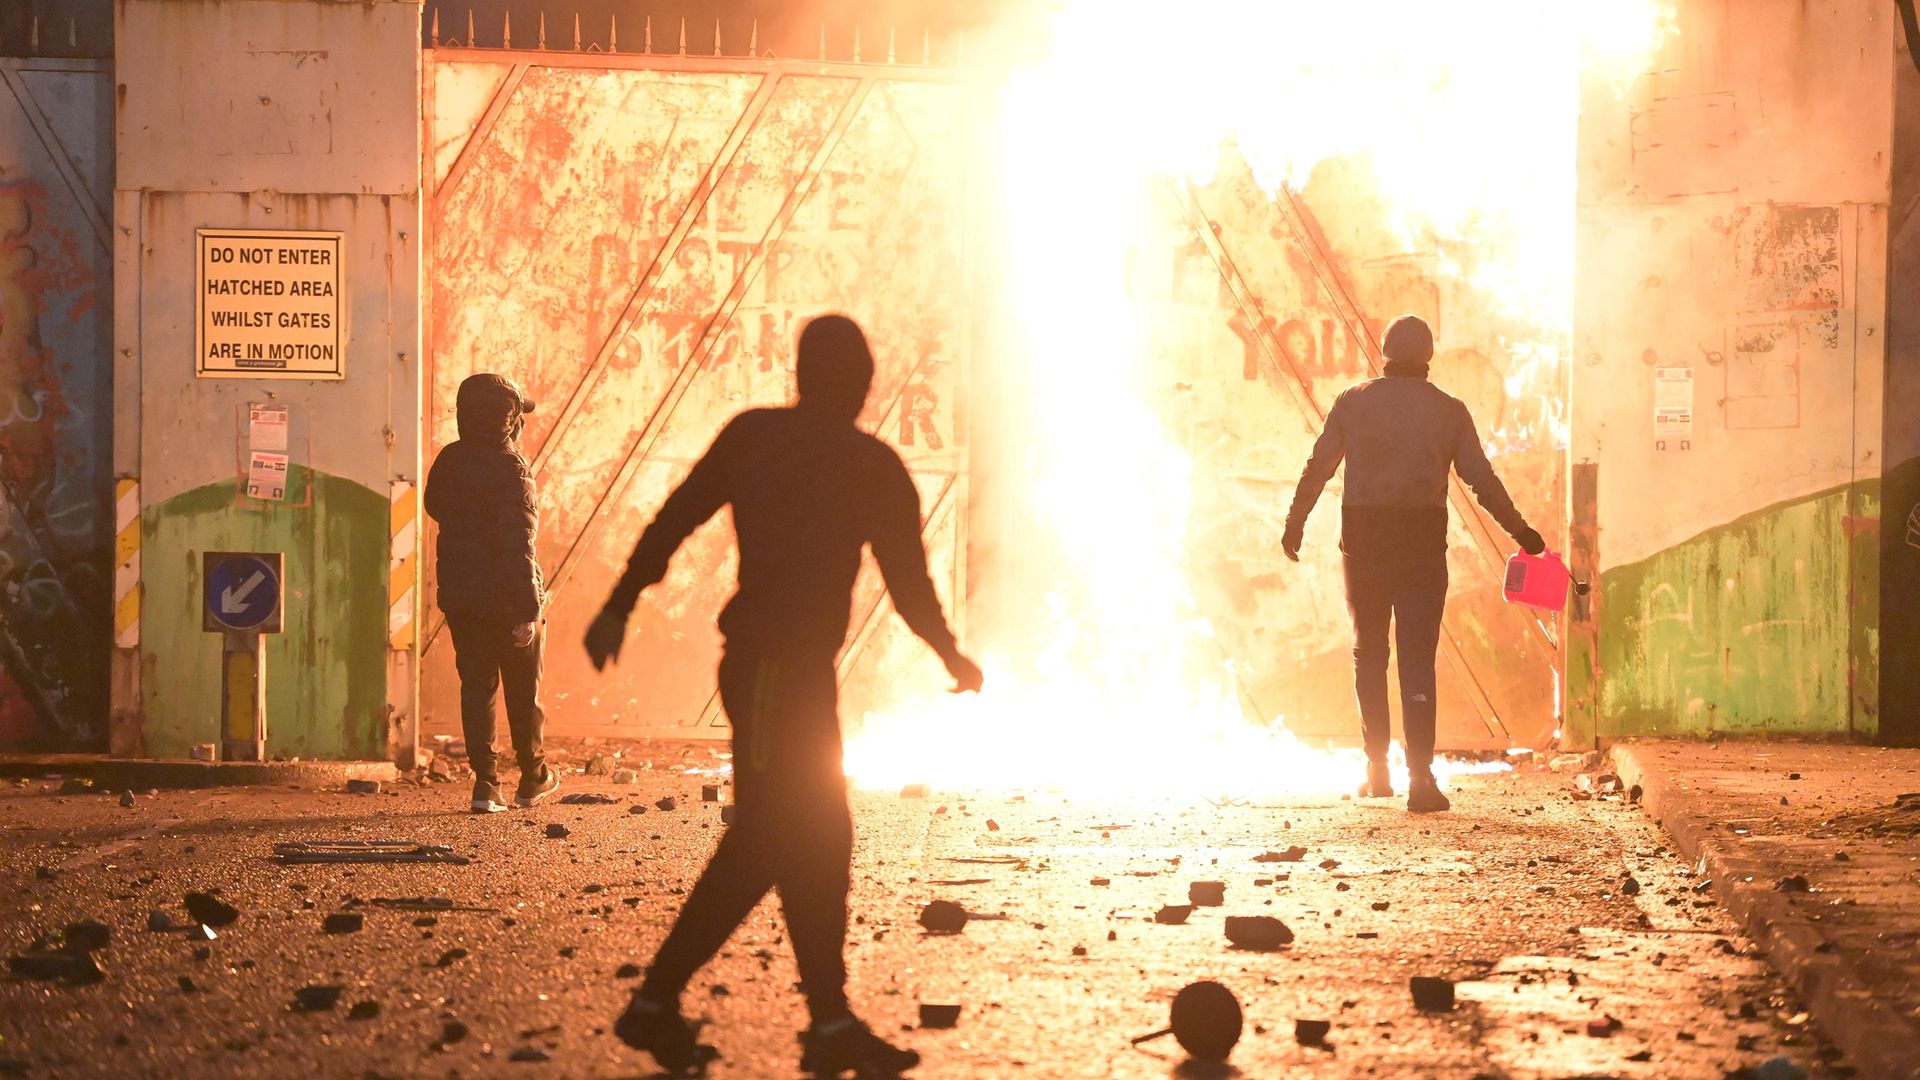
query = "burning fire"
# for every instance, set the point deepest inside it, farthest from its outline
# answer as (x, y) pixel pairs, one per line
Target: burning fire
(1463, 116)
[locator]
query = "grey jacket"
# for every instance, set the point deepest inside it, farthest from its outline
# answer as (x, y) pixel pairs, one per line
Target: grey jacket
(1399, 435)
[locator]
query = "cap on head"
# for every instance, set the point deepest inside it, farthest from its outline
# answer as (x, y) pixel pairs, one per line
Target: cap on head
(492, 389)
(489, 406)
(835, 367)
(1409, 340)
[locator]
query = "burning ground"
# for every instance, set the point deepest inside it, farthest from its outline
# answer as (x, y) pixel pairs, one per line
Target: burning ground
(1520, 896)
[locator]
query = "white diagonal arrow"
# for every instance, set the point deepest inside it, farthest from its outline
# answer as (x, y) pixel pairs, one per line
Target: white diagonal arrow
(233, 599)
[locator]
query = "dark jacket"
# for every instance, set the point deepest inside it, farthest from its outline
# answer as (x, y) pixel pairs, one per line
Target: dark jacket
(807, 494)
(1400, 435)
(480, 491)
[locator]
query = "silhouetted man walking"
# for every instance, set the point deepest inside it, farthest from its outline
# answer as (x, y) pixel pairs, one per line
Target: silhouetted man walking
(1399, 435)
(808, 491)
(481, 494)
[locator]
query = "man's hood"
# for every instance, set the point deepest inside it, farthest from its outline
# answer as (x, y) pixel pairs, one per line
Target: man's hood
(489, 407)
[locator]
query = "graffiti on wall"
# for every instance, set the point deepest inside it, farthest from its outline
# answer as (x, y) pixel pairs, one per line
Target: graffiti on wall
(643, 273)
(54, 590)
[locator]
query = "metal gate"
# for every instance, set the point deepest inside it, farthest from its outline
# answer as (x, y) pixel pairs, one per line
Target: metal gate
(56, 382)
(637, 240)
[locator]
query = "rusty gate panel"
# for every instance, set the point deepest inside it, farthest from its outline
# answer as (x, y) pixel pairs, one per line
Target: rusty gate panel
(56, 406)
(1264, 307)
(638, 240)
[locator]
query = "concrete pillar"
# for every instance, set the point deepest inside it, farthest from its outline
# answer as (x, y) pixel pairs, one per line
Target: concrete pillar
(271, 115)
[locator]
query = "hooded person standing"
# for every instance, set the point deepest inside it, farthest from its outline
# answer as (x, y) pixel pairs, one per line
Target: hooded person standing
(809, 490)
(480, 492)
(1399, 435)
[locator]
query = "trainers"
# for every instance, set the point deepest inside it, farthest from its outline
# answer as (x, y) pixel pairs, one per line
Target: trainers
(843, 1046)
(660, 1030)
(1424, 796)
(537, 788)
(487, 798)
(1379, 782)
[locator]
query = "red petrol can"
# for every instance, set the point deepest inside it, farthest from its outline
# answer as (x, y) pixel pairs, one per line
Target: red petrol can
(1537, 581)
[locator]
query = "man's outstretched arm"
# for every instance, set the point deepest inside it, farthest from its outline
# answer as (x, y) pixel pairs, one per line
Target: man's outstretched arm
(903, 565)
(1328, 449)
(1470, 461)
(699, 497)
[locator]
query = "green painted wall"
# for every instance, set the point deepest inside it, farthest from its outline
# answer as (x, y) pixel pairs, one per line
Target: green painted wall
(1766, 624)
(326, 674)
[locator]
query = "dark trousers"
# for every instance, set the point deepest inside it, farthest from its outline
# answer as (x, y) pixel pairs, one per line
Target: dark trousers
(485, 657)
(1407, 590)
(791, 829)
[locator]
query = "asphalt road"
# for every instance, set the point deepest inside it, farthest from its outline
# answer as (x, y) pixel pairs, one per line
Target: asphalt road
(1519, 895)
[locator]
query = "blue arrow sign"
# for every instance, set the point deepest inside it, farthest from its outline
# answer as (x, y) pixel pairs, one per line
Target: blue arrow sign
(242, 592)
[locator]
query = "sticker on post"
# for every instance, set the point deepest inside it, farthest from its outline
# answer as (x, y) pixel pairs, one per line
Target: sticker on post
(267, 476)
(1673, 408)
(267, 428)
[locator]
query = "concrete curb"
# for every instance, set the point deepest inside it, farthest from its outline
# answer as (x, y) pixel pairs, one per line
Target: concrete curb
(118, 774)
(1879, 1039)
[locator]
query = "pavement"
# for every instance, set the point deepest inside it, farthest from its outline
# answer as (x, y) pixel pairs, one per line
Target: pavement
(1812, 848)
(1521, 896)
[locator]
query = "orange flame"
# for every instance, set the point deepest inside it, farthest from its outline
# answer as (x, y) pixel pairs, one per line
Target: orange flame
(1464, 115)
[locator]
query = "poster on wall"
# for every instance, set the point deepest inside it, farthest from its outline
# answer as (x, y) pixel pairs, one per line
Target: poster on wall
(1673, 408)
(270, 305)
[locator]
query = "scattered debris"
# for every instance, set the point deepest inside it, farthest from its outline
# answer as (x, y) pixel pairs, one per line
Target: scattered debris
(363, 787)
(939, 1016)
(343, 922)
(557, 831)
(943, 917)
(1173, 914)
(1431, 994)
(1312, 1032)
(210, 910)
(71, 966)
(317, 998)
(1778, 1068)
(587, 798)
(305, 852)
(87, 935)
(201, 932)
(1205, 1021)
(1292, 854)
(1207, 893)
(1263, 932)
